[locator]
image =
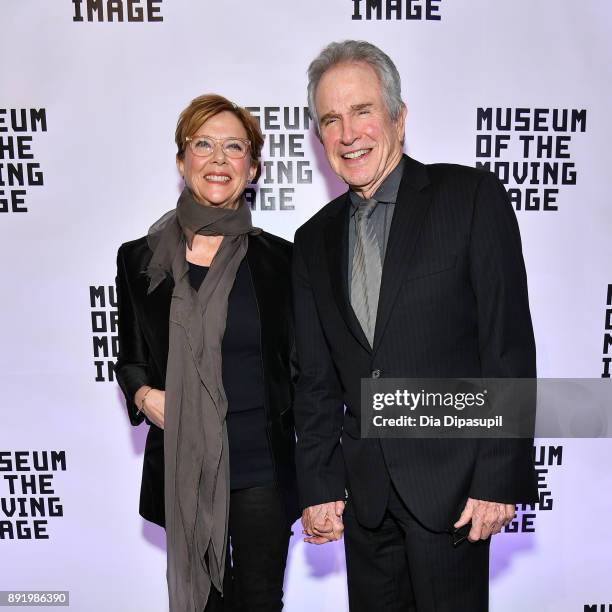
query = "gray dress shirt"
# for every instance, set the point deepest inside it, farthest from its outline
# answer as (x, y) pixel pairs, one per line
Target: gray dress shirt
(386, 195)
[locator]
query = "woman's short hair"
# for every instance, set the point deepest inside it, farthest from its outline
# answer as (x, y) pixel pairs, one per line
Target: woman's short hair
(202, 108)
(349, 51)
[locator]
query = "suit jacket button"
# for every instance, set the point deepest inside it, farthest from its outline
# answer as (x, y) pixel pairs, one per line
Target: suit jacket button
(375, 373)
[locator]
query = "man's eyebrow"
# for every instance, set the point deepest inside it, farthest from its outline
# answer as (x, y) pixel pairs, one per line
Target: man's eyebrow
(353, 107)
(328, 116)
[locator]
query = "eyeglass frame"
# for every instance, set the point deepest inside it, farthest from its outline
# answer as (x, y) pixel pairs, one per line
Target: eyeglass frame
(246, 141)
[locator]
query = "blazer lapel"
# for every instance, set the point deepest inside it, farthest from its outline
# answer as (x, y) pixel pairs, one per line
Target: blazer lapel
(336, 245)
(157, 308)
(271, 283)
(263, 278)
(413, 200)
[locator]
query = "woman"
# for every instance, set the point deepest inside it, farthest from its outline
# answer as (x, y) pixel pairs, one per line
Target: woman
(205, 338)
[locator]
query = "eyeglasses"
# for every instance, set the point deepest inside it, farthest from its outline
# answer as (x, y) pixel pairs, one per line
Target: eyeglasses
(204, 146)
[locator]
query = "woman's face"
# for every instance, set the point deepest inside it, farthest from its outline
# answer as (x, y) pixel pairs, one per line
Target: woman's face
(217, 180)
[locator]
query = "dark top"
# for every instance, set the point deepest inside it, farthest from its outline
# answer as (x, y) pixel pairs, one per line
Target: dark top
(250, 460)
(143, 355)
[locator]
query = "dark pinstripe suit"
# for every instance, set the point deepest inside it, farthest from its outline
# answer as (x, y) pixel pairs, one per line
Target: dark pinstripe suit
(453, 303)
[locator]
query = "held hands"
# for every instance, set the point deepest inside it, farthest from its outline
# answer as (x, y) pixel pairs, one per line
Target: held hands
(323, 523)
(153, 405)
(487, 518)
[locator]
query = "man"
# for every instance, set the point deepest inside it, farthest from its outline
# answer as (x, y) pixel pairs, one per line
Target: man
(417, 271)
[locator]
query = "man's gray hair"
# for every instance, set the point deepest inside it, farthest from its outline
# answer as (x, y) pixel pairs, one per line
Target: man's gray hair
(357, 51)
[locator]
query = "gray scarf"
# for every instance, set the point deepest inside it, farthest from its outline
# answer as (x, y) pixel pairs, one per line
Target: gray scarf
(196, 455)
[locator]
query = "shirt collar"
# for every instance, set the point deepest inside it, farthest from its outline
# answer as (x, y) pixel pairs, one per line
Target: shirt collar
(387, 192)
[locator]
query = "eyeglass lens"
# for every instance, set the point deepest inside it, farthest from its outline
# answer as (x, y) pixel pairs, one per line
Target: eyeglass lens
(232, 147)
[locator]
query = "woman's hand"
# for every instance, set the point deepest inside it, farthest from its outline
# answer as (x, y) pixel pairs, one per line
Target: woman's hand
(153, 405)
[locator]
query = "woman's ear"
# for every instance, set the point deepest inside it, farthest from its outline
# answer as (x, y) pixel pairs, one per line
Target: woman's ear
(180, 166)
(253, 171)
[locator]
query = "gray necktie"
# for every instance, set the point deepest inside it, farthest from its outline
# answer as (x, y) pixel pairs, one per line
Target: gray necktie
(367, 270)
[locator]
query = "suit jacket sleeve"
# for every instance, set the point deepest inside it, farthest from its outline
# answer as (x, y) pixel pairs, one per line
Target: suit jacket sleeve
(132, 362)
(318, 407)
(504, 470)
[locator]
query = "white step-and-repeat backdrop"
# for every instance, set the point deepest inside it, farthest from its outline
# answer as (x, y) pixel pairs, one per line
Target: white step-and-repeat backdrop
(90, 91)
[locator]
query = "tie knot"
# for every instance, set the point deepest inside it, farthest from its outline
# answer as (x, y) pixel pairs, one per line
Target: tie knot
(366, 208)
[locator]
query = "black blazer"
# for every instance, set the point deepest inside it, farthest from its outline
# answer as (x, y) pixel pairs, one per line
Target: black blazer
(453, 303)
(143, 354)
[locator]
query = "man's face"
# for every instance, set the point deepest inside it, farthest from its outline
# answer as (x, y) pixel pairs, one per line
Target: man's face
(361, 142)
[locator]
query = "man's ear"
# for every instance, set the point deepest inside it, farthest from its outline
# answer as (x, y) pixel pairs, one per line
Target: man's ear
(401, 122)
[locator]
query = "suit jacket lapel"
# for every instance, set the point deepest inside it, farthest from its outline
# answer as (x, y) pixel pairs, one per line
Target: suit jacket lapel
(263, 278)
(336, 244)
(157, 309)
(413, 201)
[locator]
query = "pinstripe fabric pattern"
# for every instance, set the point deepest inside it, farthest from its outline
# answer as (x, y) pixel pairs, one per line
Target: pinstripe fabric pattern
(366, 270)
(401, 567)
(453, 303)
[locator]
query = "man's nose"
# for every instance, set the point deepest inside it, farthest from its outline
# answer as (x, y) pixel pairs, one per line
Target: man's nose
(348, 133)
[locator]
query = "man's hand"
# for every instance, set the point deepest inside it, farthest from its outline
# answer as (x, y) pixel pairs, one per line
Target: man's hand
(323, 523)
(487, 518)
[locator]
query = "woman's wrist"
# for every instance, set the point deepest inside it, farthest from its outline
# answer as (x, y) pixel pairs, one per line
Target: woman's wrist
(140, 397)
